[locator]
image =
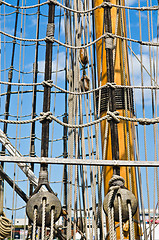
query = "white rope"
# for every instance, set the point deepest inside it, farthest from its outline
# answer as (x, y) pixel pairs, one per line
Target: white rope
(22, 39)
(50, 83)
(52, 39)
(105, 4)
(43, 219)
(105, 35)
(132, 237)
(23, 7)
(110, 210)
(34, 224)
(52, 225)
(109, 116)
(120, 218)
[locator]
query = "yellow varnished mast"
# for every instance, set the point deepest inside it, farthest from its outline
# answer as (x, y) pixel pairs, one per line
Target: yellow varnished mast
(121, 77)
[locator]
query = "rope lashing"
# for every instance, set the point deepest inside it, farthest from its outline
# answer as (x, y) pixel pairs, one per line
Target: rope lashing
(107, 4)
(50, 29)
(47, 83)
(109, 42)
(46, 116)
(113, 115)
(112, 85)
(5, 227)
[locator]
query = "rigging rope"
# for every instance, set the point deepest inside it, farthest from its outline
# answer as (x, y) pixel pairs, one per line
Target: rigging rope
(110, 115)
(105, 35)
(104, 4)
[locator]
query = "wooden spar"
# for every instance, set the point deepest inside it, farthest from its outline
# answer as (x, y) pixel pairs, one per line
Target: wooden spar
(121, 77)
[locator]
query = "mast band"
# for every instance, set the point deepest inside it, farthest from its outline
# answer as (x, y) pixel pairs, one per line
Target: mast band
(119, 98)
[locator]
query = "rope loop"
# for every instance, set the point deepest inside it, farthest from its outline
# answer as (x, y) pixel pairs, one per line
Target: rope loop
(45, 116)
(116, 180)
(113, 115)
(47, 83)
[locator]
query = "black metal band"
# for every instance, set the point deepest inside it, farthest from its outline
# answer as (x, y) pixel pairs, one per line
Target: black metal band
(119, 98)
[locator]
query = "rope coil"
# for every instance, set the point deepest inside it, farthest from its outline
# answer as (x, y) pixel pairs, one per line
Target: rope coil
(5, 227)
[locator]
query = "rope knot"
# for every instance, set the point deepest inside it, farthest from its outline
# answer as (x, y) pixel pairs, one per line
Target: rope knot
(49, 39)
(146, 121)
(53, 1)
(113, 115)
(45, 116)
(47, 83)
(112, 85)
(106, 4)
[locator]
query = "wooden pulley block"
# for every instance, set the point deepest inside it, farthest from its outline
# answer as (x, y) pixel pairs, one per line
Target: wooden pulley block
(36, 202)
(85, 83)
(126, 197)
(117, 188)
(83, 56)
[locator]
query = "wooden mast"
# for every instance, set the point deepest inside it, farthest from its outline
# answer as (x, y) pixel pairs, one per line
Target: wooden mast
(121, 77)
